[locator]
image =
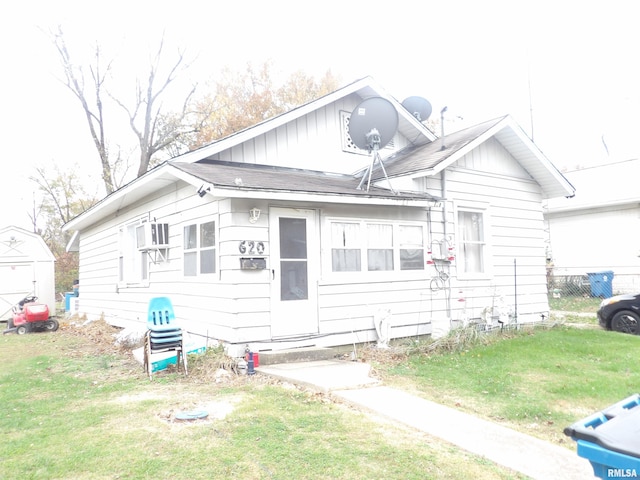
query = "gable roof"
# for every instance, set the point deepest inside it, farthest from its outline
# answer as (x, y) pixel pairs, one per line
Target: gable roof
(431, 158)
(366, 87)
(12, 241)
(424, 157)
(601, 186)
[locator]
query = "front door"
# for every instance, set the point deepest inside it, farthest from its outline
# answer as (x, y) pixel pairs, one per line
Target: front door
(294, 271)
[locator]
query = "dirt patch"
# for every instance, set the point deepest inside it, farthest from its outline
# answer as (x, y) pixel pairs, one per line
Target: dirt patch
(202, 412)
(98, 338)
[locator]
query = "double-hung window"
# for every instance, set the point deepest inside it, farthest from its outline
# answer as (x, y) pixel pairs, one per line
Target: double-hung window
(346, 254)
(379, 247)
(133, 264)
(411, 247)
(472, 244)
(199, 249)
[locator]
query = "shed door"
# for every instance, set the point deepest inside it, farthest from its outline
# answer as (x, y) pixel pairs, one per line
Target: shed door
(16, 282)
(295, 260)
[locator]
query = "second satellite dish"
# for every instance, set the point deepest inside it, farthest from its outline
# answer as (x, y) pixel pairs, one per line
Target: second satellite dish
(373, 123)
(418, 107)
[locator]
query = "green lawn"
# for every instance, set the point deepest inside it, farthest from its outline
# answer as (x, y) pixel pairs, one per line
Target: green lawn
(74, 412)
(537, 381)
(575, 304)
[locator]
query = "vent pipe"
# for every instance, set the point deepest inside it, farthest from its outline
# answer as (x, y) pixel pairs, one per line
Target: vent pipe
(442, 146)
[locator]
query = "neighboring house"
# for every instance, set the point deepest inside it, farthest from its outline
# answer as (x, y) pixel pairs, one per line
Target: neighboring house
(263, 238)
(597, 230)
(27, 267)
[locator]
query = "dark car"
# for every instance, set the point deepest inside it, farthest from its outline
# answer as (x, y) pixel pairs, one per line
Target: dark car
(620, 313)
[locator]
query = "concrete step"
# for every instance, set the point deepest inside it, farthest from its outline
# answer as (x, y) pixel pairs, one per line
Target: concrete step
(294, 355)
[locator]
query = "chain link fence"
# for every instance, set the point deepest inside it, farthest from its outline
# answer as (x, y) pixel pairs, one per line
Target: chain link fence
(568, 285)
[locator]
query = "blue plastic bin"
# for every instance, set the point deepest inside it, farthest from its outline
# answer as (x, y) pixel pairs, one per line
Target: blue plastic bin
(67, 301)
(609, 439)
(601, 284)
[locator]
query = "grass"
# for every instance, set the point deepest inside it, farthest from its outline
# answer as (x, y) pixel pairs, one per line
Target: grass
(73, 409)
(575, 304)
(537, 381)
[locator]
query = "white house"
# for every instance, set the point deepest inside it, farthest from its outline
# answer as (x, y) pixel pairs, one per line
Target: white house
(27, 267)
(597, 229)
(268, 237)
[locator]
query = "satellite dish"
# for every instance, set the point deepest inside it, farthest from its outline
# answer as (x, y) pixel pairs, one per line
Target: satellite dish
(418, 107)
(373, 123)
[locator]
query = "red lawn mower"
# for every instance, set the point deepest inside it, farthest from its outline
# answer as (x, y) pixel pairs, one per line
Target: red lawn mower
(30, 316)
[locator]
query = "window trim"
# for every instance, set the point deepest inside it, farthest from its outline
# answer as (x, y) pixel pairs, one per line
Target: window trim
(482, 208)
(364, 274)
(198, 249)
(127, 234)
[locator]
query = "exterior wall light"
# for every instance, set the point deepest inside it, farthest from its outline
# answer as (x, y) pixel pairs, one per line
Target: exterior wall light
(254, 215)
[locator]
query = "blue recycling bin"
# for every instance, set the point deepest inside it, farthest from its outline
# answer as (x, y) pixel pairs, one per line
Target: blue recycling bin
(609, 439)
(67, 300)
(601, 284)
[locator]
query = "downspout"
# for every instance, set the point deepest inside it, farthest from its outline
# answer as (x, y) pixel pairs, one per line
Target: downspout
(443, 177)
(443, 195)
(445, 230)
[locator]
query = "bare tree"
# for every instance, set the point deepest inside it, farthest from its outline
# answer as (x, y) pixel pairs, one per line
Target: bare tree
(62, 197)
(154, 128)
(74, 79)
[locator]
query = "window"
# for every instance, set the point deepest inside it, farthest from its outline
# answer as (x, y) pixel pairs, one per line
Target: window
(133, 265)
(362, 246)
(379, 247)
(411, 247)
(345, 243)
(472, 242)
(199, 249)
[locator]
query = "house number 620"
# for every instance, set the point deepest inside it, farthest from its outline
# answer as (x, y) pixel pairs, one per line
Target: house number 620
(249, 246)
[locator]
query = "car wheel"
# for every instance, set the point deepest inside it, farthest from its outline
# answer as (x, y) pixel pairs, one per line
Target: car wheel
(21, 330)
(625, 322)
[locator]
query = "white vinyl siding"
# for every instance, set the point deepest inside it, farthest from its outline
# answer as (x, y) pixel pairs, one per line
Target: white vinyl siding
(489, 181)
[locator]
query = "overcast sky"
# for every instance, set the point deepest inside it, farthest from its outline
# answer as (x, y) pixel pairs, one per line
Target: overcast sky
(568, 72)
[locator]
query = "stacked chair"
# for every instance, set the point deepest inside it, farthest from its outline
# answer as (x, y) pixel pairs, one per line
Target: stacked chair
(163, 334)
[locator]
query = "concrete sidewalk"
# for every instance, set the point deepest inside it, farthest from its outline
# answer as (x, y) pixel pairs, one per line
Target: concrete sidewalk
(350, 382)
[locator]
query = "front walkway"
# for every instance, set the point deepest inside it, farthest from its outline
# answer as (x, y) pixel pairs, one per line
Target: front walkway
(350, 382)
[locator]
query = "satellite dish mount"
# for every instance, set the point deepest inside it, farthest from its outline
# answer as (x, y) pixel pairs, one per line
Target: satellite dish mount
(374, 148)
(372, 125)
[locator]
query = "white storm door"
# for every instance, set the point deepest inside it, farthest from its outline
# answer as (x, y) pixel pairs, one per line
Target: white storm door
(295, 261)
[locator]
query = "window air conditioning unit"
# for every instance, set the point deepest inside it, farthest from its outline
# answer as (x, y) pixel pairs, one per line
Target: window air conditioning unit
(152, 236)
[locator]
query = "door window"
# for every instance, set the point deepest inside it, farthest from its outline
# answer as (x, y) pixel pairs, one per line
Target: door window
(293, 259)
